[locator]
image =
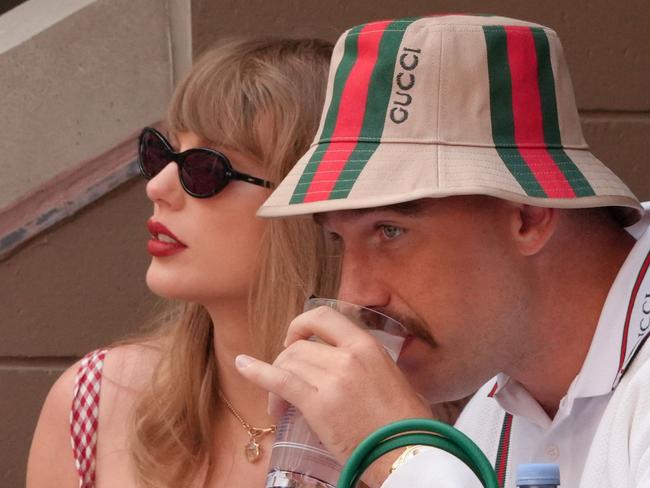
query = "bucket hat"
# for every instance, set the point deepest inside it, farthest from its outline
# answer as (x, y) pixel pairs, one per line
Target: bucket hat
(449, 105)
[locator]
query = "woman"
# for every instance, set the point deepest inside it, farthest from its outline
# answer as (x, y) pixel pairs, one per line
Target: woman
(173, 411)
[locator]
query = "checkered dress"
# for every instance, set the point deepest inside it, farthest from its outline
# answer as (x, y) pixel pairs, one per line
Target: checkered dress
(84, 415)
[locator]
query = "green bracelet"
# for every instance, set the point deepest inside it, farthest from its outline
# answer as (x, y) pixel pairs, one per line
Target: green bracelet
(409, 432)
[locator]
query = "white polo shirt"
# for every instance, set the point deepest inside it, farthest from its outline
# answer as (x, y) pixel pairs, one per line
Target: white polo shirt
(600, 436)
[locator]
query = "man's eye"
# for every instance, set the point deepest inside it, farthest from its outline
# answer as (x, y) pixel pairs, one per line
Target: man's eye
(391, 231)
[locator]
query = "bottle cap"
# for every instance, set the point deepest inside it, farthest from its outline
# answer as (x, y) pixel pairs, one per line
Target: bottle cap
(538, 474)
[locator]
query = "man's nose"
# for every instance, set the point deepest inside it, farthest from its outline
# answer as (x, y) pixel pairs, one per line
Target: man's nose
(361, 282)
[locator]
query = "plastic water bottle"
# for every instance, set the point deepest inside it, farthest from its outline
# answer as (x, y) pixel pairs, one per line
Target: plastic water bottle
(538, 475)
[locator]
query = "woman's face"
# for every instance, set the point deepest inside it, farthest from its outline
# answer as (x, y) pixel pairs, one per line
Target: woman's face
(214, 242)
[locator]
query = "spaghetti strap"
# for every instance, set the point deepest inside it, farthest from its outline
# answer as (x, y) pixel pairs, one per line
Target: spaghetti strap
(84, 415)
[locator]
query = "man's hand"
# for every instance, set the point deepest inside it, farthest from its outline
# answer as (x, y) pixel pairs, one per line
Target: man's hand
(346, 385)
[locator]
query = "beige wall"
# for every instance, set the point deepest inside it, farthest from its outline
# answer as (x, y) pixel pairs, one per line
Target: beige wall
(78, 78)
(80, 87)
(80, 284)
(77, 287)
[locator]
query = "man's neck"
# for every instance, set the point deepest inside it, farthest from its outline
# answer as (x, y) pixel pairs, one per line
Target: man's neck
(566, 316)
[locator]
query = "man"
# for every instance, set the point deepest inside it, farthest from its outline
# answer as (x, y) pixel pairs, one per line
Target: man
(451, 166)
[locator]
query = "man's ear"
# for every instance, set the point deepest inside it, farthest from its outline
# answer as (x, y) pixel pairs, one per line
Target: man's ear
(532, 227)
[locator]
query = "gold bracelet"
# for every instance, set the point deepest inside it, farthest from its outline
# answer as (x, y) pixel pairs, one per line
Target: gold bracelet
(407, 454)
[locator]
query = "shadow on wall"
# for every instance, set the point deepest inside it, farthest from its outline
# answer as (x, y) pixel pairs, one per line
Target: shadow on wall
(6, 5)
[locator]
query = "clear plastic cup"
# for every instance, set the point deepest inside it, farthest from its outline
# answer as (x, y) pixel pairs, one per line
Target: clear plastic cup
(298, 458)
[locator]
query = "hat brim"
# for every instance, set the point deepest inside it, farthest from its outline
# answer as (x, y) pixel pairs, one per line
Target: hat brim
(375, 175)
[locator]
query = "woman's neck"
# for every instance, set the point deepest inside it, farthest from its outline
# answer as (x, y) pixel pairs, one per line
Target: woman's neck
(232, 336)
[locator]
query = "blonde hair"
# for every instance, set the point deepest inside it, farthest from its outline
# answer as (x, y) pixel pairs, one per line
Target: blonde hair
(264, 98)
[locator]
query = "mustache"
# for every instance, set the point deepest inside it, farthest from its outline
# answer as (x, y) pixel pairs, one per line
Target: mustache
(416, 326)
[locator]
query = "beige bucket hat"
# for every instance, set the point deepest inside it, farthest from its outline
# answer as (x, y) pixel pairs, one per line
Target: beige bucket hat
(449, 105)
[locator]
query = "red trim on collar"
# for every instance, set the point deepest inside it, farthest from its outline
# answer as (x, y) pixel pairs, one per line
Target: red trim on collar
(628, 315)
(494, 389)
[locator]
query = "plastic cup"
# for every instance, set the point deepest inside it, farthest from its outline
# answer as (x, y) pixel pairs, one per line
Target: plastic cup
(298, 458)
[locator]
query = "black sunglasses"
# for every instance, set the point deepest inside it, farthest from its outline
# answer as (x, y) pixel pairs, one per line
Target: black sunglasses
(203, 172)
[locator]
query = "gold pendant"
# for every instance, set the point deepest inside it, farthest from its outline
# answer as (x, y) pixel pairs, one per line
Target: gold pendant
(252, 450)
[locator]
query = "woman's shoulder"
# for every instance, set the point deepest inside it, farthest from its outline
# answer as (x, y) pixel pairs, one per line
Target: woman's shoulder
(126, 372)
(114, 376)
(51, 460)
(130, 365)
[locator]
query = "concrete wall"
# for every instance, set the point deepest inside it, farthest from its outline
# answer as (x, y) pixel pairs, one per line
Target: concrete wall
(82, 86)
(79, 88)
(79, 79)
(78, 286)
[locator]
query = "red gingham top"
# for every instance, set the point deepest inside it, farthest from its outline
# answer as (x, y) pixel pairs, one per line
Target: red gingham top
(84, 415)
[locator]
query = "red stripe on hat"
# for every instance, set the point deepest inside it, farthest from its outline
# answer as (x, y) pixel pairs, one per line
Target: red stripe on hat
(527, 113)
(351, 112)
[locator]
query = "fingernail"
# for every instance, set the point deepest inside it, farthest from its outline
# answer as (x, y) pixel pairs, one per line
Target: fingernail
(243, 361)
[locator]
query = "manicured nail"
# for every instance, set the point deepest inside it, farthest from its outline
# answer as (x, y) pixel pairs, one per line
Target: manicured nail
(243, 361)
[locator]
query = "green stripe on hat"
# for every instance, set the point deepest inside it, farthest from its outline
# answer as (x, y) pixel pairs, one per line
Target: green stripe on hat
(503, 125)
(343, 70)
(550, 119)
(379, 94)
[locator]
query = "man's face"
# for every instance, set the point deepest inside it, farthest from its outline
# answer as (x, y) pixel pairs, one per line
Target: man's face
(447, 270)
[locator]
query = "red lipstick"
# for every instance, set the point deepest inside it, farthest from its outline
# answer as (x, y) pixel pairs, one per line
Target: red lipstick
(163, 242)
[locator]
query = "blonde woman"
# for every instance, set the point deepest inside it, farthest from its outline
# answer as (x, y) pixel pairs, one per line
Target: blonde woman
(172, 410)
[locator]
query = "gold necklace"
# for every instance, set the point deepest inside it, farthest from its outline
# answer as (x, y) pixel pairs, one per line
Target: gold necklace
(252, 449)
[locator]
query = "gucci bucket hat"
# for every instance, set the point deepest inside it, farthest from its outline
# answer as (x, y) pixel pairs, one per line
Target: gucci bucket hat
(449, 105)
